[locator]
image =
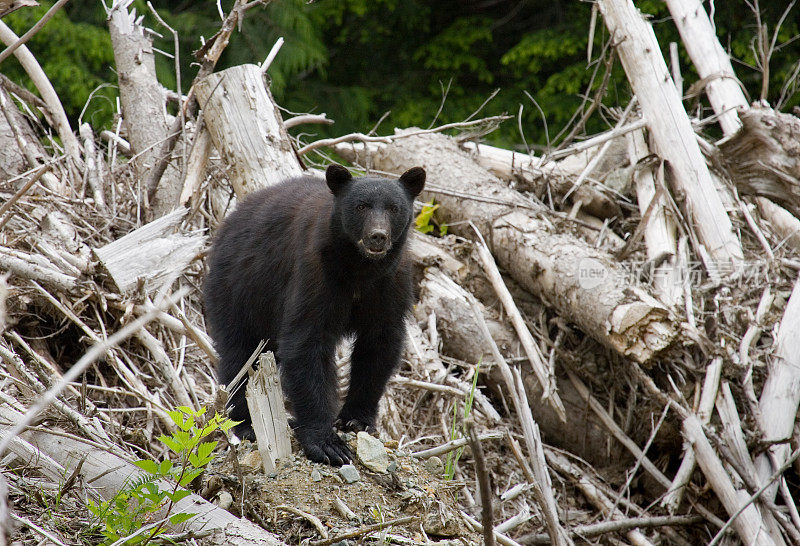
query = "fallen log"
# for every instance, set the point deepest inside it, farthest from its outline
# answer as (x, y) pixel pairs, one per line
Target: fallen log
(780, 396)
(539, 173)
(672, 133)
(712, 63)
(151, 254)
(458, 326)
(585, 285)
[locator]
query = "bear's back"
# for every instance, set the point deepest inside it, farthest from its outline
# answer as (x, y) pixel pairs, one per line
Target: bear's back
(257, 250)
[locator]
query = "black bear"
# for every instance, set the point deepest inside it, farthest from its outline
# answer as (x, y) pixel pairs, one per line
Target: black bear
(302, 265)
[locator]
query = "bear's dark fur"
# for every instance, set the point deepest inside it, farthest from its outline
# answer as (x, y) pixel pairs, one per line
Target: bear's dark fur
(302, 265)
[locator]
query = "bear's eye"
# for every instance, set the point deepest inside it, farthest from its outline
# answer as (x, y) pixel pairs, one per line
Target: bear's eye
(394, 209)
(361, 207)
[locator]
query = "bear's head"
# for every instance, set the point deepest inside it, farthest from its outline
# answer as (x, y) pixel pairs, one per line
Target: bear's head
(374, 213)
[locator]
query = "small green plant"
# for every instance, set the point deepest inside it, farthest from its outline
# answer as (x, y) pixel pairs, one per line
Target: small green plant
(125, 516)
(456, 431)
(425, 222)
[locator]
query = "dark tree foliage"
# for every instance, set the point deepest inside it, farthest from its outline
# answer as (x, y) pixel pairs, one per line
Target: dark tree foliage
(357, 59)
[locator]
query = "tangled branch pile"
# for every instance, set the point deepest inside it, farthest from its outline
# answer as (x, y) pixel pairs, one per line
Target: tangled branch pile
(627, 306)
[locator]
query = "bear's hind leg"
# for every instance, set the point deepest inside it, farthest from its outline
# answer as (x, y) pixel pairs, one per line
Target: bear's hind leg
(230, 363)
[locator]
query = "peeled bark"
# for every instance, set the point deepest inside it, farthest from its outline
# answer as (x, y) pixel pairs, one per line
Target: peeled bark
(585, 285)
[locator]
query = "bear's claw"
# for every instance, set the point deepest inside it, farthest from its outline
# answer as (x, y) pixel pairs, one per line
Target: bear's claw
(329, 450)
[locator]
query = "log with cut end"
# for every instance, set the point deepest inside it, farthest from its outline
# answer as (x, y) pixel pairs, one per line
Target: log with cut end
(585, 285)
(764, 157)
(150, 254)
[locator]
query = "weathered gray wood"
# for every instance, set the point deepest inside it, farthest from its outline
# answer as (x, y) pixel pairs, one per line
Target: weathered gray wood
(246, 127)
(781, 393)
(267, 412)
(672, 133)
(749, 524)
(151, 253)
(143, 101)
(712, 63)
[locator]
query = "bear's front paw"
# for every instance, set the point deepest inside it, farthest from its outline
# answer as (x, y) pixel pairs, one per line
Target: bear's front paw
(355, 425)
(244, 431)
(325, 447)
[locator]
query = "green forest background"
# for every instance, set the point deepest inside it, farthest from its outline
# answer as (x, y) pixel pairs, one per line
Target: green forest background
(358, 59)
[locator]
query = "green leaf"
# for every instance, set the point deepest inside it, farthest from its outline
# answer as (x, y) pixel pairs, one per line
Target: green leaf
(180, 517)
(189, 476)
(228, 424)
(148, 466)
(178, 495)
(168, 441)
(177, 417)
(164, 467)
(183, 438)
(205, 449)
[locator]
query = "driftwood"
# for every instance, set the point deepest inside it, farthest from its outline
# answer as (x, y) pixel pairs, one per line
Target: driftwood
(781, 393)
(582, 283)
(265, 400)
(543, 174)
(457, 323)
(48, 93)
(149, 255)
(143, 102)
(712, 63)
(672, 133)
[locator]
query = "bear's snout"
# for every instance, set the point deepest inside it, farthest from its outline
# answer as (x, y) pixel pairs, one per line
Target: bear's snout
(378, 240)
(375, 244)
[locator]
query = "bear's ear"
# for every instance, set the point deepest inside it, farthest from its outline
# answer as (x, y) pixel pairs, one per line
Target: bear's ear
(337, 177)
(413, 180)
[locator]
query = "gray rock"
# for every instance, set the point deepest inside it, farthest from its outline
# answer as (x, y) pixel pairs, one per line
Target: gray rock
(349, 473)
(392, 466)
(316, 475)
(371, 453)
(434, 466)
(224, 500)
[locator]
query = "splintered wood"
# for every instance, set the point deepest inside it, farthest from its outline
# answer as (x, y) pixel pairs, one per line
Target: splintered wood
(151, 254)
(265, 400)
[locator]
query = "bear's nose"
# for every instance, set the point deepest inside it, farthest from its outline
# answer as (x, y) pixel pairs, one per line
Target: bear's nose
(378, 239)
